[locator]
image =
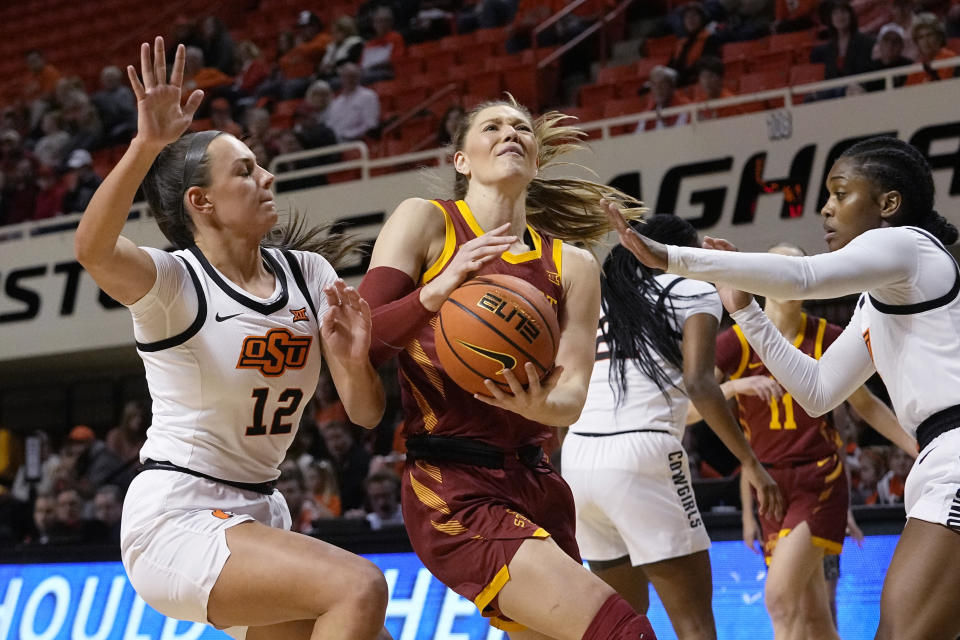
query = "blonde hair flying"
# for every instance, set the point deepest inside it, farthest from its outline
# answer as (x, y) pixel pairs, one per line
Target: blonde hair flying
(563, 207)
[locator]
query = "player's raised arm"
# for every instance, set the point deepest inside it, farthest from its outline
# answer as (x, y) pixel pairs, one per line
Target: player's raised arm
(119, 267)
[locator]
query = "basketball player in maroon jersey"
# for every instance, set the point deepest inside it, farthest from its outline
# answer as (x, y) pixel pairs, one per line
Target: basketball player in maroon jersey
(803, 455)
(485, 511)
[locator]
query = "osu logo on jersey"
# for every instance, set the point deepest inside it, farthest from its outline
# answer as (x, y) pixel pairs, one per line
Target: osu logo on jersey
(275, 352)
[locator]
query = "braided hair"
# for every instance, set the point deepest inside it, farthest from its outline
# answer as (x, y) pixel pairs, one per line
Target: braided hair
(894, 165)
(637, 324)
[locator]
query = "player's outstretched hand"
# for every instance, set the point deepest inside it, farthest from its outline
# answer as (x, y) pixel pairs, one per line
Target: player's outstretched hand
(649, 252)
(525, 402)
(733, 299)
(346, 327)
(160, 117)
(469, 258)
(769, 498)
(764, 387)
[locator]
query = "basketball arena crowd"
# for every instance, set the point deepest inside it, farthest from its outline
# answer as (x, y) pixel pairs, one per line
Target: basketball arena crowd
(312, 76)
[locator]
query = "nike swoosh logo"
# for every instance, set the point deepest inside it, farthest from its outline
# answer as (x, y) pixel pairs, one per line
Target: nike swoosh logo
(506, 361)
(221, 318)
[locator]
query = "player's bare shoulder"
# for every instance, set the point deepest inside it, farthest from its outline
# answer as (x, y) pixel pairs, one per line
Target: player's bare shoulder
(411, 237)
(580, 268)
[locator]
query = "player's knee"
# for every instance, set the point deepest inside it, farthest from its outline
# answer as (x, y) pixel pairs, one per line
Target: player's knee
(368, 588)
(782, 603)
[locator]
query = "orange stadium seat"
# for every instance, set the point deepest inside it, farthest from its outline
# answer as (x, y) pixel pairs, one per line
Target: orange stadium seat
(407, 66)
(438, 63)
(630, 89)
(283, 113)
(486, 83)
(806, 73)
(660, 47)
(645, 66)
(763, 81)
(619, 73)
(770, 60)
(623, 107)
(744, 50)
(592, 95)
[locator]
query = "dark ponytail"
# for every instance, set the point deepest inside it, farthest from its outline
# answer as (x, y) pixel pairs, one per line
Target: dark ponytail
(185, 163)
(638, 317)
(894, 165)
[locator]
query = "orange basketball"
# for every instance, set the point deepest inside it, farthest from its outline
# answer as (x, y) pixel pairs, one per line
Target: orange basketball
(494, 323)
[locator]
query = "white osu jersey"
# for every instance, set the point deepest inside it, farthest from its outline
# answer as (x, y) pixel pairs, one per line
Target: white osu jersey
(644, 406)
(916, 347)
(229, 373)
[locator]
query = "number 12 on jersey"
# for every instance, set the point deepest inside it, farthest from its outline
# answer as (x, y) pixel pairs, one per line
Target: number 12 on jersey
(288, 402)
(788, 422)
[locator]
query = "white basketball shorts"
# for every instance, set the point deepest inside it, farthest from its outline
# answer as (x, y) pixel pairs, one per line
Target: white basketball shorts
(633, 496)
(932, 492)
(173, 538)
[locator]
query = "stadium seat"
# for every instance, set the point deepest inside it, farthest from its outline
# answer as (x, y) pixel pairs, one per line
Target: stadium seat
(485, 83)
(763, 81)
(609, 75)
(282, 116)
(594, 95)
(660, 47)
(744, 50)
(806, 73)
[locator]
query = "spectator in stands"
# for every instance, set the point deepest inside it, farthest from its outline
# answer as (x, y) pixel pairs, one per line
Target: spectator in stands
(70, 526)
(251, 69)
(697, 42)
(663, 95)
(901, 14)
(116, 106)
(449, 124)
(891, 486)
(380, 51)
(38, 85)
(794, 15)
(11, 150)
(125, 439)
(309, 47)
(316, 102)
(20, 192)
(81, 121)
(81, 181)
(107, 509)
(847, 51)
(221, 117)
(383, 499)
(710, 87)
(355, 112)
(50, 192)
(303, 510)
(889, 54)
(952, 21)
(87, 463)
(217, 45)
(44, 518)
(51, 149)
(49, 461)
(346, 46)
(531, 13)
(486, 14)
(350, 462)
(931, 39)
(184, 32)
(197, 75)
(259, 134)
(311, 129)
(321, 483)
(864, 489)
(431, 21)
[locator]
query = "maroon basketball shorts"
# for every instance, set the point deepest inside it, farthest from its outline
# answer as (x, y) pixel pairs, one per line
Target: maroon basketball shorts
(816, 493)
(466, 522)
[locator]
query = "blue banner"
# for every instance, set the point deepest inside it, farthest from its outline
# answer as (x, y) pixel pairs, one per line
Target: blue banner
(94, 601)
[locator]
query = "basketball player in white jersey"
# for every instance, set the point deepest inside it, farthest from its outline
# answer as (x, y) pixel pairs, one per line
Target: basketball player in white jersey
(888, 242)
(637, 516)
(231, 333)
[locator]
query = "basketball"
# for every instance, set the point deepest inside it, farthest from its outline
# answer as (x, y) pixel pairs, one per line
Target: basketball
(495, 323)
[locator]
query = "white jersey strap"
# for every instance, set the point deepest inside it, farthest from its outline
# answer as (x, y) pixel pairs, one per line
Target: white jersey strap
(927, 305)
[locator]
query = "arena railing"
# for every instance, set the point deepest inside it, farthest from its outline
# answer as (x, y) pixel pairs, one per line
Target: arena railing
(367, 167)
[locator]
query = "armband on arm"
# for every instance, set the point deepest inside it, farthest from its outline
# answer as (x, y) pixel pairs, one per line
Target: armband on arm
(398, 314)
